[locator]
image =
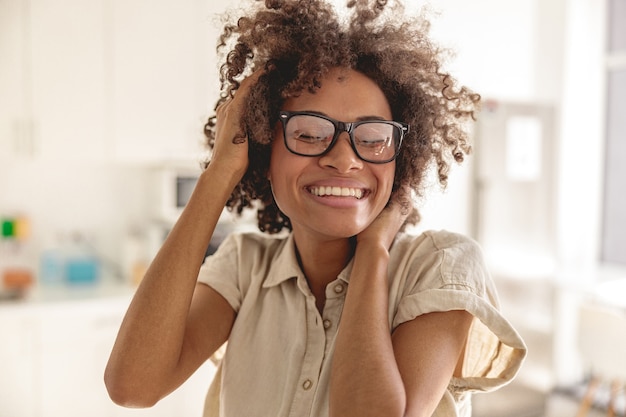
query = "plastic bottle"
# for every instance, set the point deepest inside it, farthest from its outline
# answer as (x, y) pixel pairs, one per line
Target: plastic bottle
(81, 264)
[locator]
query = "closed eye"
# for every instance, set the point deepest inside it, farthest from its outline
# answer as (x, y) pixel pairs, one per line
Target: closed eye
(307, 137)
(373, 143)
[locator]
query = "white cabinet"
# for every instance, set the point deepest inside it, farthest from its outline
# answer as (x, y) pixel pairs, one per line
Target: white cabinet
(53, 355)
(97, 80)
(164, 77)
(18, 363)
(67, 65)
(76, 342)
(13, 77)
(52, 101)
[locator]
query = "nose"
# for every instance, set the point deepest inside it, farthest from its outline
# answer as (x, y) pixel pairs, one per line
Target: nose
(341, 156)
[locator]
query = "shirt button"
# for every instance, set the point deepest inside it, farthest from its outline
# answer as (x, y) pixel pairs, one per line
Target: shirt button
(338, 288)
(327, 324)
(307, 384)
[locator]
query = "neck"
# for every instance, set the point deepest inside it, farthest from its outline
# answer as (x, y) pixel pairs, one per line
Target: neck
(322, 260)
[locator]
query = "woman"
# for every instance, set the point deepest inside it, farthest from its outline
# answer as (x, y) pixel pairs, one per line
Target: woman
(343, 315)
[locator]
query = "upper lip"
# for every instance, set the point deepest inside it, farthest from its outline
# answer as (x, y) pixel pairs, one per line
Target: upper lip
(343, 183)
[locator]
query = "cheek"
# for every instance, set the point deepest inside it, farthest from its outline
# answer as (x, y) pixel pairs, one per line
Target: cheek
(276, 161)
(277, 154)
(281, 173)
(387, 176)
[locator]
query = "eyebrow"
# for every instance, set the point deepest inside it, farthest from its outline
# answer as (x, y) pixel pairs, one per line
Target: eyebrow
(359, 119)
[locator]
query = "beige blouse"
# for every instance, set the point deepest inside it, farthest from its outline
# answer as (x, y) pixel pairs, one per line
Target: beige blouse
(279, 353)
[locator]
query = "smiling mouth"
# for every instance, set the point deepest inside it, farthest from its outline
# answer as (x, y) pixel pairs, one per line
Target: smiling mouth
(337, 192)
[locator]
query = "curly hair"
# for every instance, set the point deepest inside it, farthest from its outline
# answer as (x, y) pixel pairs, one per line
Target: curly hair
(297, 42)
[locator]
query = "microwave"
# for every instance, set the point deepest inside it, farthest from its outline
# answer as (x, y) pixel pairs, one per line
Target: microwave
(173, 185)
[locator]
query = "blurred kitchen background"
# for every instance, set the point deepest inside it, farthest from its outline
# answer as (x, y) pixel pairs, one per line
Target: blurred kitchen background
(102, 105)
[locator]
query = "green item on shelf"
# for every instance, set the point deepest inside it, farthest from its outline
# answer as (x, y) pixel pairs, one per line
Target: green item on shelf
(8, 228)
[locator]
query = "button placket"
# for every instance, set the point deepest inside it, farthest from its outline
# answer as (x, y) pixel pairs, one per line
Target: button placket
(311, 363)
(335, 294)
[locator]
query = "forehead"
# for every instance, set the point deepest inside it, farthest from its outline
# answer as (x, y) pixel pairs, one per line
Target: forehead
(345, 95)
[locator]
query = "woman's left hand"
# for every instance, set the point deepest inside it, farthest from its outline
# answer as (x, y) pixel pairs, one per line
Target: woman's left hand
(385, 227)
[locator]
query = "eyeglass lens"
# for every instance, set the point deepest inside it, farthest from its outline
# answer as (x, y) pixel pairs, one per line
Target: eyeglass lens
(311, 136)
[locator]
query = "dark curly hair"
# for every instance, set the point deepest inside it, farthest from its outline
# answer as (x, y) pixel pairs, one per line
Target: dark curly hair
(297, 42)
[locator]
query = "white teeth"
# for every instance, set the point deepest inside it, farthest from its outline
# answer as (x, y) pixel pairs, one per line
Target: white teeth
(337, 191)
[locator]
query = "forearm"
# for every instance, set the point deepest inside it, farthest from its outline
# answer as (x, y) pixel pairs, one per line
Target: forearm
(150, 340)
(365, 380)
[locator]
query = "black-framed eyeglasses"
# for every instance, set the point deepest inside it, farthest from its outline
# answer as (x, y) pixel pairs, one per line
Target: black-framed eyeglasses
(312, 134)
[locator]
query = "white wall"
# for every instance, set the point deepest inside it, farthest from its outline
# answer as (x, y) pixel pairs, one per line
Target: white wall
(582, 136)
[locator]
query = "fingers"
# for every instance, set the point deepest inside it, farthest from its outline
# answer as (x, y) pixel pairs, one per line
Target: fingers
(241, 94)
(251, 79)
(230, 112)
(230, 148)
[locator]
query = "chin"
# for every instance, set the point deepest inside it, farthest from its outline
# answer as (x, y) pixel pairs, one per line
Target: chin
(340, 227)
(344, 231)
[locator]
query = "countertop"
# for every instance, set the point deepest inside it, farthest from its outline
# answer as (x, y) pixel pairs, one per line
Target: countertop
(47, 295)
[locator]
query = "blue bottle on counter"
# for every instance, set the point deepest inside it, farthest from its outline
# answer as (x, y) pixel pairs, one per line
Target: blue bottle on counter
(81, 263)
(71, 260)
(81, 270)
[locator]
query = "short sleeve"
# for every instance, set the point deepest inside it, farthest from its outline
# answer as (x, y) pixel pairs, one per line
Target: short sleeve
(220, 271)
(450, 274)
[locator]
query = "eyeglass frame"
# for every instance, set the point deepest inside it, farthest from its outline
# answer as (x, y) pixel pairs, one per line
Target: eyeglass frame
(340, 127)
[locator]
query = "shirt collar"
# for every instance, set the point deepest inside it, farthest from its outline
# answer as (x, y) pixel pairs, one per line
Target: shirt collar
(285, 265)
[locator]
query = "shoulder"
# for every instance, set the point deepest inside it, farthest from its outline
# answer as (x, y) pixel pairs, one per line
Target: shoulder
(461, 254)
(242, 251)
(438, 243)
(252, 242)
(444, 258)
(242, 263)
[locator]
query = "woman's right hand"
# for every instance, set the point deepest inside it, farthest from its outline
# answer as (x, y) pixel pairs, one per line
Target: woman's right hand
(230, 151)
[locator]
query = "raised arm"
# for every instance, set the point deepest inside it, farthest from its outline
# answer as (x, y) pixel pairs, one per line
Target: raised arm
(173, 325)
(375, 373)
